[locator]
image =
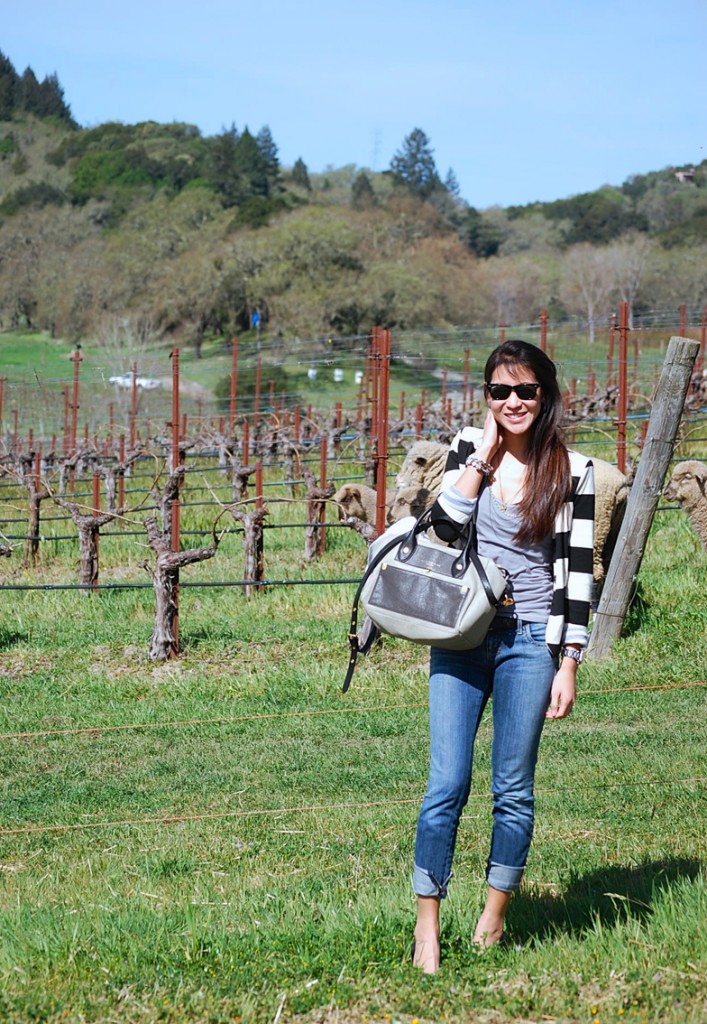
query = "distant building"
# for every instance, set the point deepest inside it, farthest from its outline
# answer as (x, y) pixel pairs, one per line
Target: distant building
(686, 176)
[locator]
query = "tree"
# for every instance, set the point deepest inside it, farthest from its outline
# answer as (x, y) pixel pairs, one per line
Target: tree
(628, 258)
(483, 235)
(507, 289)
(45, 99)
(300, 174)
(596, 217)
(222, 165)
(362, 195)
(9, 83)
(28, 93)
(50, 101)
(413, 166)
(451, 184)
(190, 291)
(586, 282)
(250, 169)
(271, 162)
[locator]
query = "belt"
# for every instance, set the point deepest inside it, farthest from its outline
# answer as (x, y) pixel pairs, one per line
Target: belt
(507, 622)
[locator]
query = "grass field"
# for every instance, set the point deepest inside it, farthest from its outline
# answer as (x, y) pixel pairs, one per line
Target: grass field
(226, 837)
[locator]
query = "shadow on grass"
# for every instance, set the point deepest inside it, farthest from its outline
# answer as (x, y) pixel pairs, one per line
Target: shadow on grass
(639, 612)
(9, 637)
(610, 895)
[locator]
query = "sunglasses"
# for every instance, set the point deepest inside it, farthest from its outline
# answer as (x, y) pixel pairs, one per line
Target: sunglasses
(499, 392)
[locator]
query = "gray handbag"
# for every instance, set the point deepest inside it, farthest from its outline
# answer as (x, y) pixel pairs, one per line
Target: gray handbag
(426, 592)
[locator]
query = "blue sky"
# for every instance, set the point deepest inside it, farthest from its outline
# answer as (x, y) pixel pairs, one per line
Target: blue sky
(523, 100)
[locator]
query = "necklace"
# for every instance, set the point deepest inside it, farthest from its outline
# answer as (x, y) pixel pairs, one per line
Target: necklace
(502, 500)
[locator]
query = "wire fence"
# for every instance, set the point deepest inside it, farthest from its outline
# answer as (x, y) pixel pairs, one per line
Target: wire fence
(97, 730)
(271, 434)
(300, 809)
(319, 374)
(285, 452)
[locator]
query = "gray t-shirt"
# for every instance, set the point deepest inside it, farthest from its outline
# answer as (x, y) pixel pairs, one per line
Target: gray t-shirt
(529, 566)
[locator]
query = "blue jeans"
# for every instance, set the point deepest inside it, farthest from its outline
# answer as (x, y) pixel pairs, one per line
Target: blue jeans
(517, 666)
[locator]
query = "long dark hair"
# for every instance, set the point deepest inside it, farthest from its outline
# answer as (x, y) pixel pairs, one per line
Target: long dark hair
(548, 479)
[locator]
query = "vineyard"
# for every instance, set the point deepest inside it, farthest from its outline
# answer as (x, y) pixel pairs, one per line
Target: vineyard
(177, 479)
(197, 825)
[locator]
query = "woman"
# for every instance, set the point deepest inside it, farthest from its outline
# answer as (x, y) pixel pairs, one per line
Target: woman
(533, 503)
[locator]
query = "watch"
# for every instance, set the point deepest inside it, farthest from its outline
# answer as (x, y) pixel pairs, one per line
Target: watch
(573, 653)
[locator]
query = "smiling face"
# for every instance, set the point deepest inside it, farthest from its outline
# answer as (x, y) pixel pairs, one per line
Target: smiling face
(514, 415)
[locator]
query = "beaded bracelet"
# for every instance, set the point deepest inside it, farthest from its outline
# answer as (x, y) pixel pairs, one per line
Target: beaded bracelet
(485, 468)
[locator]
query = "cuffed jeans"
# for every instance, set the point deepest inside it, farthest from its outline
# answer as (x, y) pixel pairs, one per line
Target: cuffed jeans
(517, 666)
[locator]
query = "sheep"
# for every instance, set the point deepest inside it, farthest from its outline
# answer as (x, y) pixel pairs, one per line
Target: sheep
(409, 501)
(688, 486)
(357, 501)
(611, 490)
(423, 466)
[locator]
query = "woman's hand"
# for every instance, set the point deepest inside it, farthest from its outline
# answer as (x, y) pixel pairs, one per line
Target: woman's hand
(564, 690)
(491, 438)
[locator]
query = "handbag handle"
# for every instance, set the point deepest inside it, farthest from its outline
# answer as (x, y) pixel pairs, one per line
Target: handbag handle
(408, 544)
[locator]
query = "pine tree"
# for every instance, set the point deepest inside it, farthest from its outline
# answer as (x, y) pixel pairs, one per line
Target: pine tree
(451, 184)
(268, 151)
(413, 166)
(222, 165)
(28, 95)
(9, 83)
(300, 174)
(250, 167)
(362, 195)
(51, 100)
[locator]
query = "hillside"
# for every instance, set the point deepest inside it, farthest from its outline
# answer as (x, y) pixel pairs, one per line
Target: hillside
(184, 236)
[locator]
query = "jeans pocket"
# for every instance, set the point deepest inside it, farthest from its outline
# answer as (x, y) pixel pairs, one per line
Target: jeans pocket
(534, 632)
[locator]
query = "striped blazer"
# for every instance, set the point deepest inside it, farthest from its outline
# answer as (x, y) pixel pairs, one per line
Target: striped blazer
(573, 536)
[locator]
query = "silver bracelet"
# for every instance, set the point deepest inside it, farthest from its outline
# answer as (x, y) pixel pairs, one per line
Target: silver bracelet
(485, 468)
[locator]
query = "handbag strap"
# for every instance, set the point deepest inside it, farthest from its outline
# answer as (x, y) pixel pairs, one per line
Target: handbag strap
(356, 648)
(472, 555)
(467, 555)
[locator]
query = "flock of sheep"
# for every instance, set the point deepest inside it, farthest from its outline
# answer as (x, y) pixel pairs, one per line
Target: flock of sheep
(419, 479)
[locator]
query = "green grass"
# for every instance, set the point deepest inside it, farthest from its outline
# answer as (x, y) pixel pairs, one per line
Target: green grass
(281, 881)
(22, 352)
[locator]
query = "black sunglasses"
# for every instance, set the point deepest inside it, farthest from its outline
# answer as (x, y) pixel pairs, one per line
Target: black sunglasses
(499, 392)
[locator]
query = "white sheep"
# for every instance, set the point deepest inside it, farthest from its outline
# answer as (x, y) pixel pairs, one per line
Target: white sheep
(409, 501)
(423, 466)
(611, 491)
(357, 501)
(688, 486)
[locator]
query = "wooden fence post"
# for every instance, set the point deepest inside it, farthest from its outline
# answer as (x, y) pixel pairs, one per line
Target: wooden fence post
(133, 407)
(645, 492)
(175, 521)
(321, 538)
(234, 387)
(543, 329)
(381, 429)
(622, 411)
